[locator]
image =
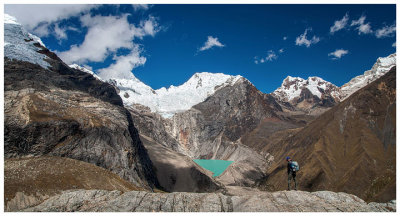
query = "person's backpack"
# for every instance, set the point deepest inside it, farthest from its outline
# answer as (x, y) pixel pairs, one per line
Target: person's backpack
(294, 166)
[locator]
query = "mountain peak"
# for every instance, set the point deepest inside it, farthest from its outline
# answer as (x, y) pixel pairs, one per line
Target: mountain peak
(291, 79)
(381, 67)
(292, 87)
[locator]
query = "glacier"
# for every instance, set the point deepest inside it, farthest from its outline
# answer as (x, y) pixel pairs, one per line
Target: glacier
(19, 44)
(175, 99)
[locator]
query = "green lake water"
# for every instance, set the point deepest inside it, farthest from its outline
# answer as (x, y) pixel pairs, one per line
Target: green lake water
(215, 166)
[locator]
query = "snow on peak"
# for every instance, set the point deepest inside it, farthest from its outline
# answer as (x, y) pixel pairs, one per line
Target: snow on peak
(10, 20)
(292, 86)
(20, 44)
(381, 67)
(168, 101)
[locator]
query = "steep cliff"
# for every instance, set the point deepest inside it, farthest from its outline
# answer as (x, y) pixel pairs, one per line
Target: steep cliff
(52, 109)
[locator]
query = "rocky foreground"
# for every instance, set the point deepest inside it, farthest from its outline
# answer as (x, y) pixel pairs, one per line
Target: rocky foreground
(141, 201)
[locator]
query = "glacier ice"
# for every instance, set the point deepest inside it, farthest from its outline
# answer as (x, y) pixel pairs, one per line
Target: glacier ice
(19, 44)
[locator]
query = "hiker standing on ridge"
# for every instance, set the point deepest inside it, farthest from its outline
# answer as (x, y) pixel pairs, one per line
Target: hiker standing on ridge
(292, 168)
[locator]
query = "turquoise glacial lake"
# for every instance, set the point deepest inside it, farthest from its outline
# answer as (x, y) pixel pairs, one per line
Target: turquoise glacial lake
(215, 166)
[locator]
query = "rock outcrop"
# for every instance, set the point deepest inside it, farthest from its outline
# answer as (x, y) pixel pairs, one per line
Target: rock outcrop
(140, 201)
(349, 148)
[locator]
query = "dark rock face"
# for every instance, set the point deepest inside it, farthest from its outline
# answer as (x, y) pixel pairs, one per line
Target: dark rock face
(226, 115)
(65, 112)
(177, 172)
(152, 125)
(349, 148)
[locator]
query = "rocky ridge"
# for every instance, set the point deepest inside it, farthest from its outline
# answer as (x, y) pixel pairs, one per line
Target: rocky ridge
(315, 95)
(135, 201)
(380, 68)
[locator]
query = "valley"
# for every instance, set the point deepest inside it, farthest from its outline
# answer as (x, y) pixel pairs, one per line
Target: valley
(76, 142)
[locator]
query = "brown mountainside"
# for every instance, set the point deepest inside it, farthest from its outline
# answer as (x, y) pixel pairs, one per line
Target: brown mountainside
(350, 148)
(37, 178)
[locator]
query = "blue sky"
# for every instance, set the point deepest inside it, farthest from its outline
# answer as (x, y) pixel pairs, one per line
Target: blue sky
(165, 45)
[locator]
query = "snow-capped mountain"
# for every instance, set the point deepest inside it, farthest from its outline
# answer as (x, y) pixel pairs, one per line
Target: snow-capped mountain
(381, 67)
(168, 101)
(20, 44)
(293, 88)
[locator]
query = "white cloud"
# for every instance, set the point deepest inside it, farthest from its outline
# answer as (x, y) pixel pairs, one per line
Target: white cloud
(339, 24)
(70, 28)
(271, 55)
(60, 33)
(150, 26)
(337, 54)
(123, 66)
(302, 39)
(37, 17)
(281, 50)
(210, 43)
(106, 34)
(88, 67)
(386, 31)
(137, 7)
(285, 38)
(361, 26)
(41, 30)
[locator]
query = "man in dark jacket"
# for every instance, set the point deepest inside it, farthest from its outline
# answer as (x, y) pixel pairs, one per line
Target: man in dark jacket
(291, 171)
